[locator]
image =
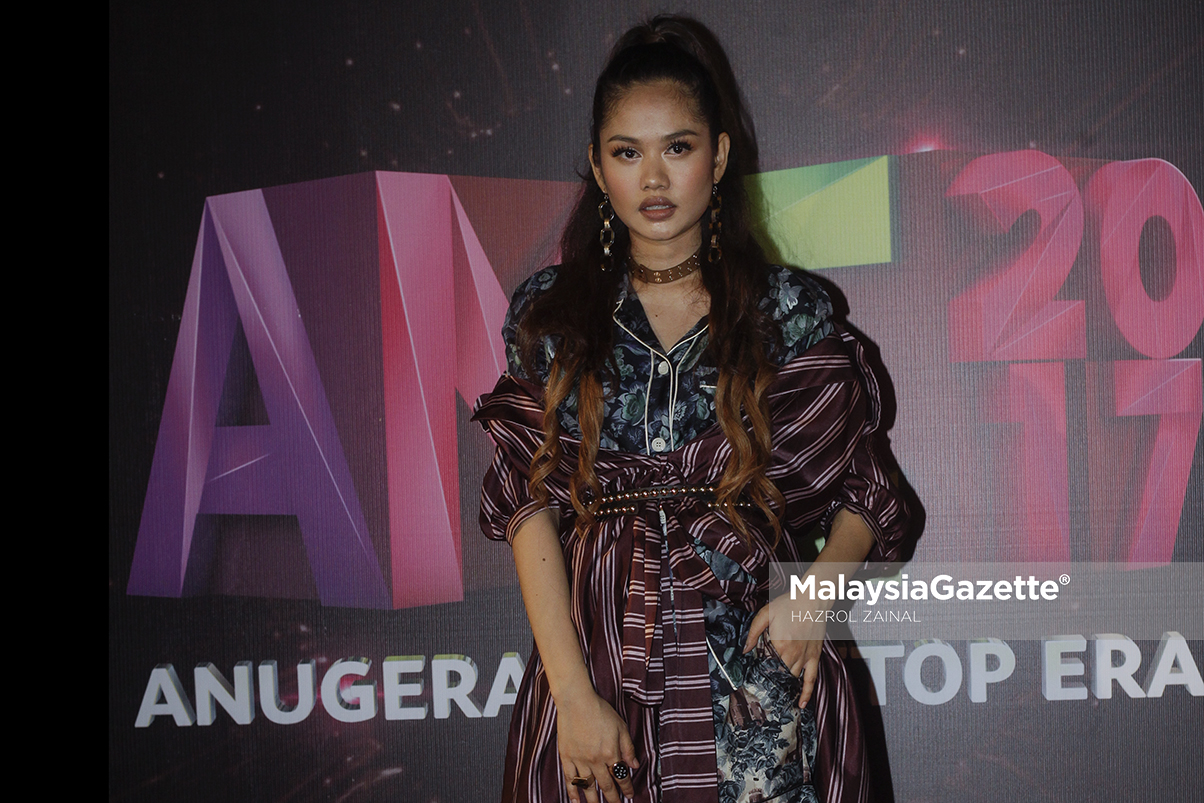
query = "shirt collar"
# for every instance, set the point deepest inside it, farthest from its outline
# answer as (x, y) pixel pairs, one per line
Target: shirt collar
(629, 313)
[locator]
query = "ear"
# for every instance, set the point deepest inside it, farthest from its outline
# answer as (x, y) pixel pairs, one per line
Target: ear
(597, 168)
(722, 144)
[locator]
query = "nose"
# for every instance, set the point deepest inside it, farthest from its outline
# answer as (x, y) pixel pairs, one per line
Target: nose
(655, 176)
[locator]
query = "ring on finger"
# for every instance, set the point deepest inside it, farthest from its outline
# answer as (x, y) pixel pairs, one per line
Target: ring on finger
(620, 770)
(582, 783)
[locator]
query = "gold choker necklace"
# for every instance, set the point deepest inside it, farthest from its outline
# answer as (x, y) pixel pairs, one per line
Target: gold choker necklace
(680, 271)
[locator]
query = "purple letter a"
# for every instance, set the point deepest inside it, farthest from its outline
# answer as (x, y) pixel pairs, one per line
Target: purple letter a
(294, 466)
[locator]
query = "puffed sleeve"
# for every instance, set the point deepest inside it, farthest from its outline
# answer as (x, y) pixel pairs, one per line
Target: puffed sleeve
(827, 455)
(531, 288)
(866, 489)
(800, 307)
(506, 500)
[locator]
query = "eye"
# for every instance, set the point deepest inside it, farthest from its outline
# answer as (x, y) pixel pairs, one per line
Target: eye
(679, 147)
(624, 153)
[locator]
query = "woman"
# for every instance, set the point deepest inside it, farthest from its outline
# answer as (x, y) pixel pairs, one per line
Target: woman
(677, 412)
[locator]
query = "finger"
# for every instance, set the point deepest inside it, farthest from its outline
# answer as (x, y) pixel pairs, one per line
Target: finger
(591, 792)
(758, 625)
(810, 673)
(606, 783)
(627, 787)
(627, 748)
(569, 774)
(581, 794)
(798, 660)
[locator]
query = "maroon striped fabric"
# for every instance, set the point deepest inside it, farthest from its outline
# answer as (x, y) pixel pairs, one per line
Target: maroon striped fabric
(636, 591)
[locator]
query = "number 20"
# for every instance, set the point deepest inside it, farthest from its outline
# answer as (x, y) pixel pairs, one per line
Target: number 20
(1012, 315)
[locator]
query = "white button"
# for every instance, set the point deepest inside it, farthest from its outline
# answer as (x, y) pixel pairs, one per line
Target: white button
(658, 444)
(663, 368)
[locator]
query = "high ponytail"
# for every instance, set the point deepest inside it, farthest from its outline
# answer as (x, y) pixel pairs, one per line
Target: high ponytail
(576, 311)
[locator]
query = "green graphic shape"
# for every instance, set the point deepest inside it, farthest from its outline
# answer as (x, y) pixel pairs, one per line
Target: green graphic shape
(825, 216)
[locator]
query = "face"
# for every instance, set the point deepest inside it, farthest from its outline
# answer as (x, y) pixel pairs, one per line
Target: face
(657, 163)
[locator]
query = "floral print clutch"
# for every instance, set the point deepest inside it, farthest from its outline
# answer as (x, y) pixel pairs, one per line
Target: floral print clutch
(764, 742)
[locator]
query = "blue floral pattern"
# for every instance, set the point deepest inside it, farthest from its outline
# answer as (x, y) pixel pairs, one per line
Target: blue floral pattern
(658, 394)
(765, 743)
(657, 401)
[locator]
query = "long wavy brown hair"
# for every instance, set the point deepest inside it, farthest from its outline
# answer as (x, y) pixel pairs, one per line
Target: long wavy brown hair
(576, 311)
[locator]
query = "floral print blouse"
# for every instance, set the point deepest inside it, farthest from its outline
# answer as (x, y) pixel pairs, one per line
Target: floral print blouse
(666, 399)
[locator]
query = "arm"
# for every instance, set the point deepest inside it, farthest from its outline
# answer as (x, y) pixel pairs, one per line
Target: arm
(849, 541)
(591, 736)
(863, 486)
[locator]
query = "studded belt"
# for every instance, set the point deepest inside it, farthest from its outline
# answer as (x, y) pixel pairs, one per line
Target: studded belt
(626, 502)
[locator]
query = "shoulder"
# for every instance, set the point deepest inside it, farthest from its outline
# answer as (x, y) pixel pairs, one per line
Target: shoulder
(524, 295)
(800, 306)
(532, 288)
(793, 292)
(527, 291)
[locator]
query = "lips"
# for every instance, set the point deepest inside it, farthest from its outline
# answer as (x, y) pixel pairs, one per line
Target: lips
(657, 208)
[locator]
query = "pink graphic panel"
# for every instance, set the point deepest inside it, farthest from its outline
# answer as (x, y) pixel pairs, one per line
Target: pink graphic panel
(442, 309)
(1124, 196)
(427, 252)
(1037, 399)
(419, 339)
(1012, 314)
(1171, 390)
(480, 311)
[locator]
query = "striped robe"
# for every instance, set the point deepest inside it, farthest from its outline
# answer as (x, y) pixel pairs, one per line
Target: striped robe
(636, 584)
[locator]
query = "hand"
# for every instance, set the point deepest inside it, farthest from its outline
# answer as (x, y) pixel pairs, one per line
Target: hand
(798, 643)
(591, 737)
(801, 643)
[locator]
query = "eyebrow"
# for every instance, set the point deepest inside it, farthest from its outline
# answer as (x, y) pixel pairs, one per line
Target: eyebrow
(685, 132)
